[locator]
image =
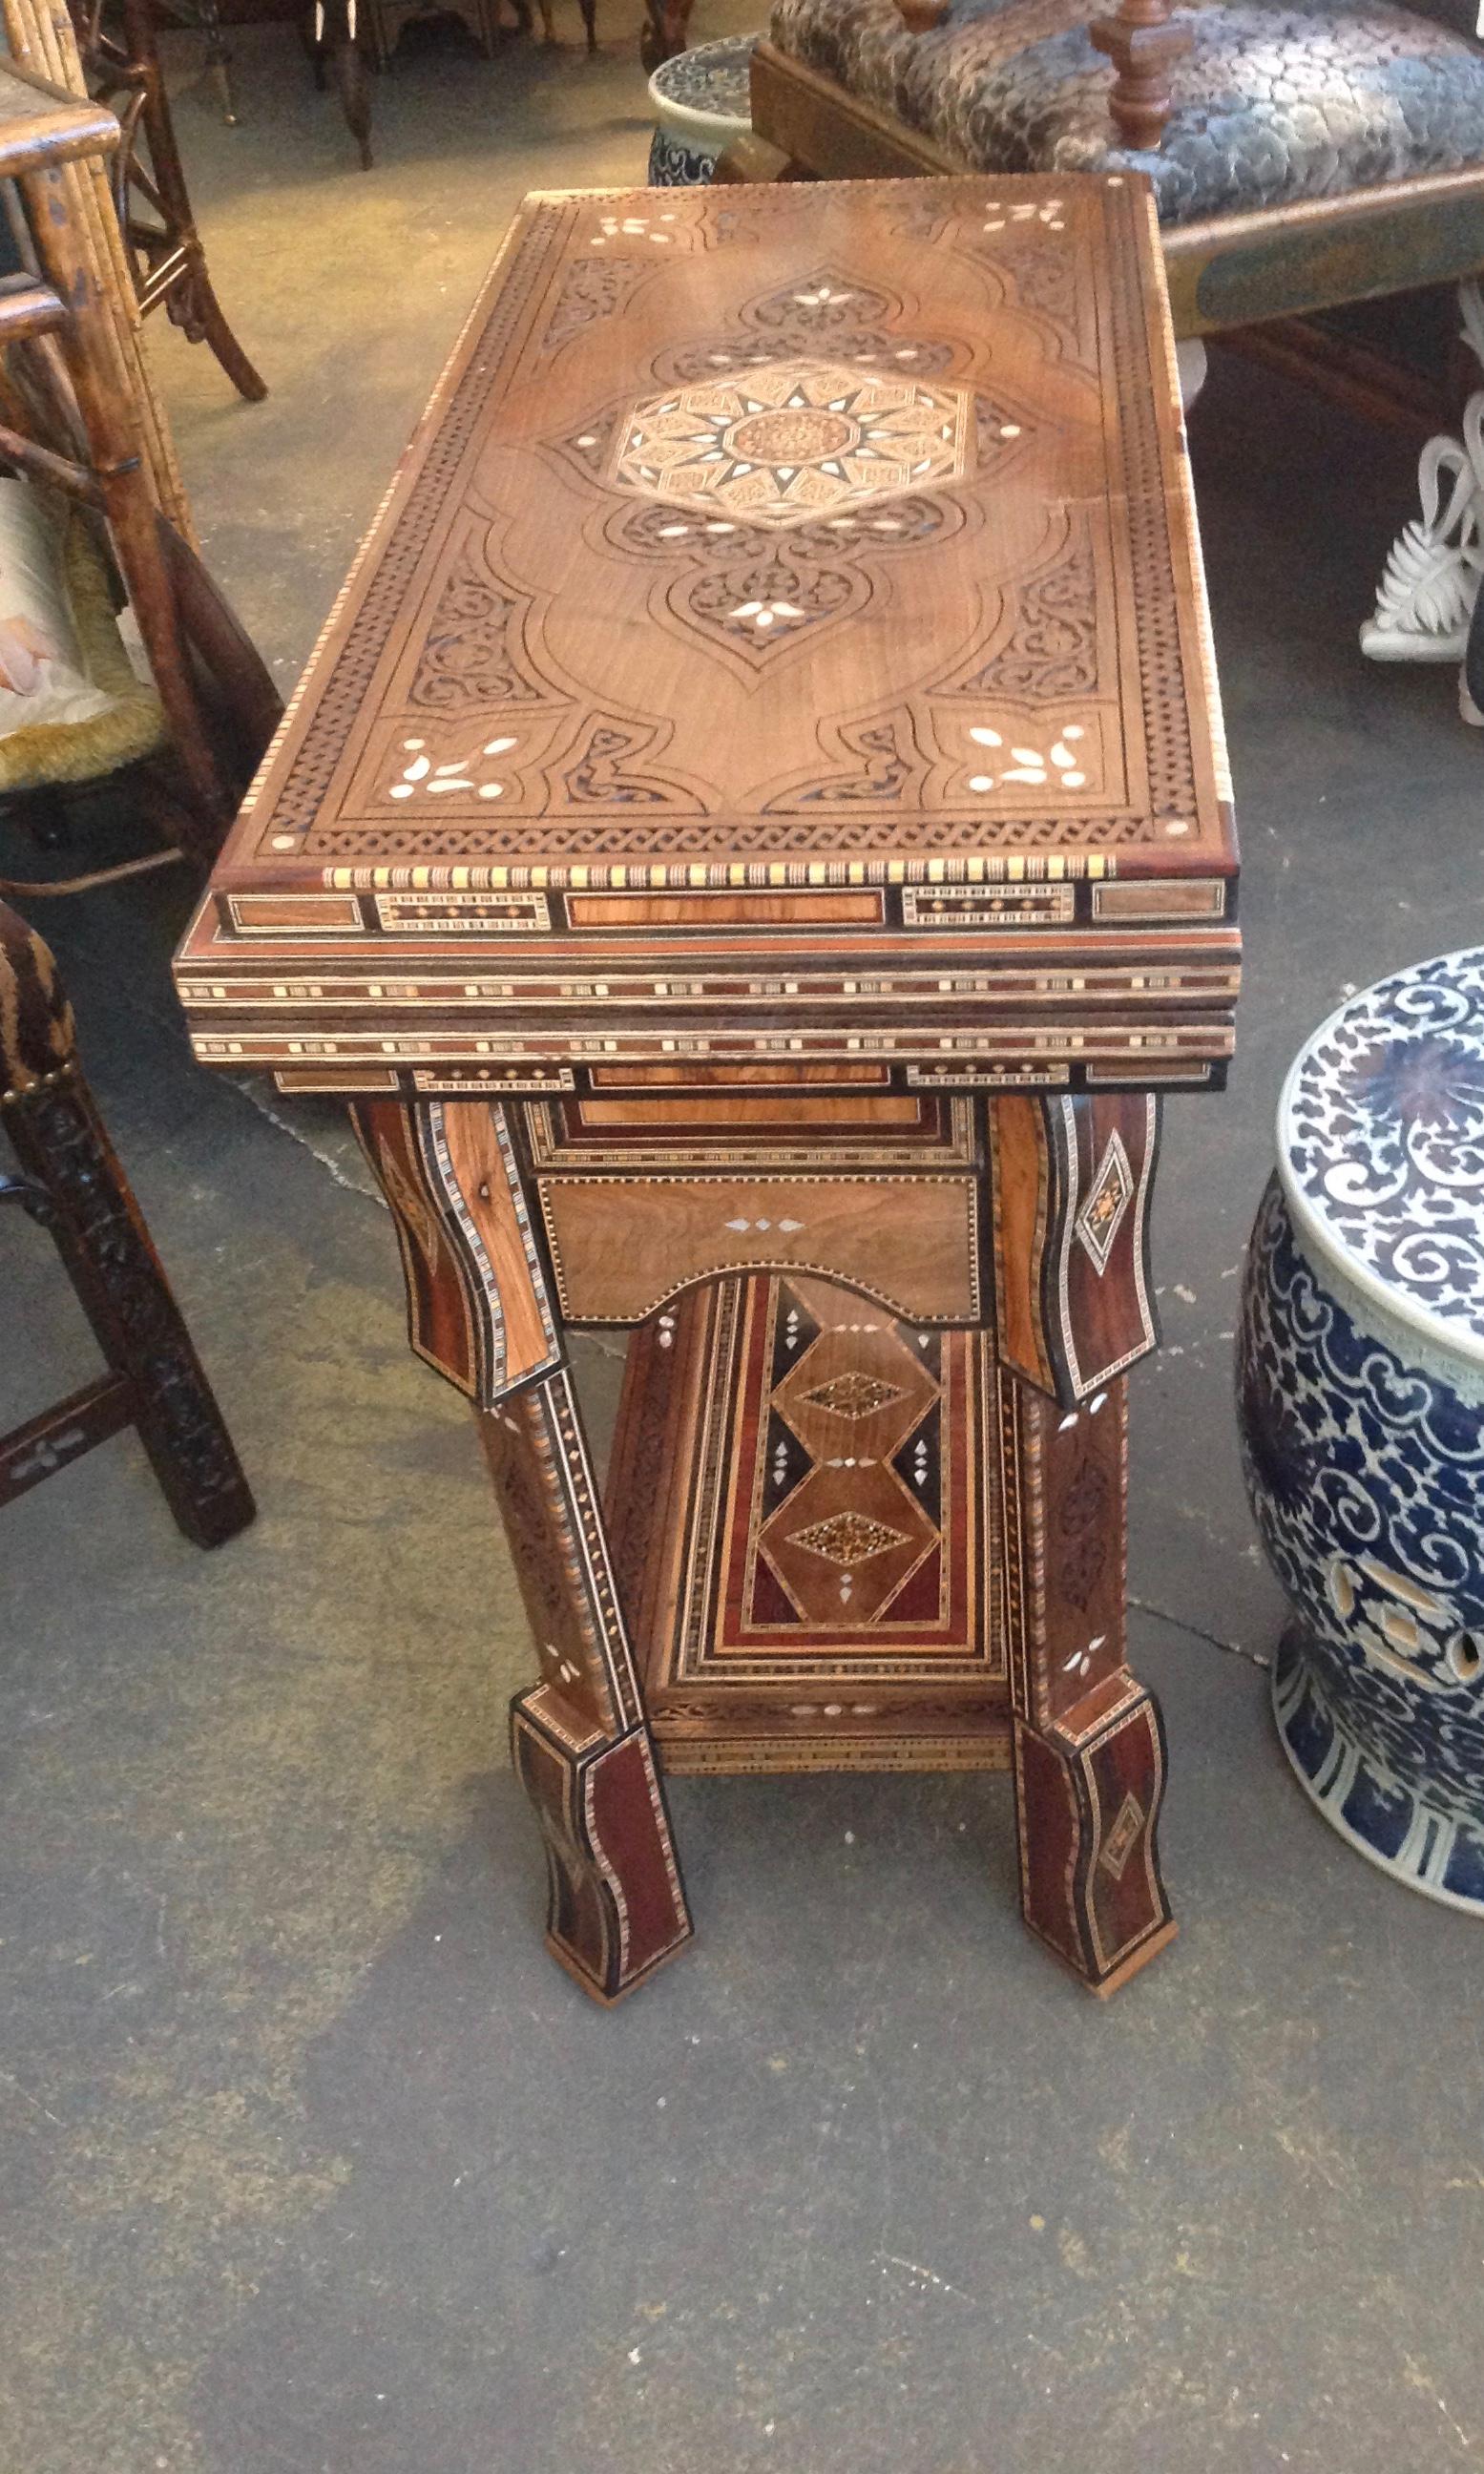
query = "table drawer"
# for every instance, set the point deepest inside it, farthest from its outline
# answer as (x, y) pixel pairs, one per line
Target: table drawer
(621, 1246)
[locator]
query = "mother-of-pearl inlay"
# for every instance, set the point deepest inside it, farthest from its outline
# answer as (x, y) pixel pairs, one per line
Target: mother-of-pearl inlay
(787, 442)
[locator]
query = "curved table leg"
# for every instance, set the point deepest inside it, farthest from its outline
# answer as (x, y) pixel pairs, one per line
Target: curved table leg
(1072, 1187)
(480, 1314)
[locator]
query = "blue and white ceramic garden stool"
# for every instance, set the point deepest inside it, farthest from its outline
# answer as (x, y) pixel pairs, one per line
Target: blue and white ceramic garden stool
(1361, 1377)
(702, 102)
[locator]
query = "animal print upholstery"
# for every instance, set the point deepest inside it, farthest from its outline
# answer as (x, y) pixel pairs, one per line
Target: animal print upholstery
(1272, 103)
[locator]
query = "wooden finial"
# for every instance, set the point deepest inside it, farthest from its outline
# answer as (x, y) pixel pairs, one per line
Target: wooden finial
(1143, 45)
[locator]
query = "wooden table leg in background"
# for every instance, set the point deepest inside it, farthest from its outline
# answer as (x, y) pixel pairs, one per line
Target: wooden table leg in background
(480, 1312)
(1072, 1182)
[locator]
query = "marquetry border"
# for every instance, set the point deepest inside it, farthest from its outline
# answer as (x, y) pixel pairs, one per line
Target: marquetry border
(767, 1144)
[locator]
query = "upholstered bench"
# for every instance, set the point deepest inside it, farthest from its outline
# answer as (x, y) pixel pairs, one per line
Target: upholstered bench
(1299, 156)
(1270, 104)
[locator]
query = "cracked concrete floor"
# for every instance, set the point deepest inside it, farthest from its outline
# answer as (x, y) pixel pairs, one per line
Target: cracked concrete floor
(311, 2159)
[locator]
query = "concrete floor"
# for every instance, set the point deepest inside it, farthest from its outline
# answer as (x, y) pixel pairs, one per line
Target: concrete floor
(309, 2157)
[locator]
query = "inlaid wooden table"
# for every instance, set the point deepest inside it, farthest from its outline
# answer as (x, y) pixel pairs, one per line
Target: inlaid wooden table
(753, 846)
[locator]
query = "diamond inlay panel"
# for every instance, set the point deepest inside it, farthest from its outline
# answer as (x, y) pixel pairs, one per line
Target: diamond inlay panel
(789, 441)
(1122, 1839)
(1101, 1215)
(850, 1530)
(853, 1396)
(847, 1538)
(746, 1618)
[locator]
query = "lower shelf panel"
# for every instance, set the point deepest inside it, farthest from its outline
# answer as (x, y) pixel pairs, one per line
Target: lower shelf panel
(804, 1511)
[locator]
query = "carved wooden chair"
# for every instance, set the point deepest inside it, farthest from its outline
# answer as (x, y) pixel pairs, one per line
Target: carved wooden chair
(1302, 156)
(72, 1186)
(119, 61)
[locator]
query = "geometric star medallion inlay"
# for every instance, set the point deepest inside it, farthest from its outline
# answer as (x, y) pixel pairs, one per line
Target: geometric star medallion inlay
(790, 440)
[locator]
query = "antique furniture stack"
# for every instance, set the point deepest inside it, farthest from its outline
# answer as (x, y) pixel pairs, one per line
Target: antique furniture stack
(753, 847)
(1362, 1413)
(72, 1186)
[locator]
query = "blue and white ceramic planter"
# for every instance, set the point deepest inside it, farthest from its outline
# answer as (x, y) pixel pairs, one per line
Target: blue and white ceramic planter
(702, 103)
(1361, 1381)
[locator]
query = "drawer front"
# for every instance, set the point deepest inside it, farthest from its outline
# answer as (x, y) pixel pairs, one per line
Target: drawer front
(621, 1246)
(752, 1134)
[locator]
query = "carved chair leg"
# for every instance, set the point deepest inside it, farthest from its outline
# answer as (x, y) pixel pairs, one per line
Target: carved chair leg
(336, 43)
(1089, 1743)
(1072, 1183)
(109, 412)
(81, 1196)
(663, 32)
(190, 300)
(480, 1312)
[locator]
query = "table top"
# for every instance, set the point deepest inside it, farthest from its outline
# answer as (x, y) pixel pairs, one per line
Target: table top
(815, 563)
(1380, 1144)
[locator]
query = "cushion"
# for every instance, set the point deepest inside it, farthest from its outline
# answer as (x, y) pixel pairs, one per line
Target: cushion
(71, 705)
(1273, 103)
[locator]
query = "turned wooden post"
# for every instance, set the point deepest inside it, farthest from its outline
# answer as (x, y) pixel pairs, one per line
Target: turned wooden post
(1143, 45)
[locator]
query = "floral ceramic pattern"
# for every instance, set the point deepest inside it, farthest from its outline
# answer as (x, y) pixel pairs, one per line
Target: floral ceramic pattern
(1382, 1132)
(715, 78)
(1273, 103)
(1367, 1480)
(673, 165)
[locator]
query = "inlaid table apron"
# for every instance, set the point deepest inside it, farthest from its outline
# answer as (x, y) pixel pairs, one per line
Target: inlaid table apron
(753, 844)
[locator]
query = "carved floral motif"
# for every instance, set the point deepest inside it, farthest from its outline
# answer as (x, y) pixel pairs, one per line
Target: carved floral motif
(1052, 648)
(467, 660)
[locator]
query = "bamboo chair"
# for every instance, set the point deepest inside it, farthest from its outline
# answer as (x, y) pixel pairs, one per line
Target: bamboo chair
(77, 415)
